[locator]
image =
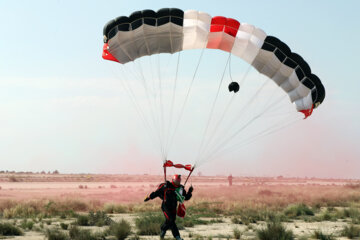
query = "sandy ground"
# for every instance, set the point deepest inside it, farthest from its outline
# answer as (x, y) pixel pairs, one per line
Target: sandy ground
(215, 230)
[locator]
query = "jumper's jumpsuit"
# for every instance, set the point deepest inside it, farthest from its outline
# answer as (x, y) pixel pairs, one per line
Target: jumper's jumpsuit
(166, 192)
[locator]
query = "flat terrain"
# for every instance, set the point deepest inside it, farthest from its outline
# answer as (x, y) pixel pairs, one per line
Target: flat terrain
(214, 202)
(129, 188)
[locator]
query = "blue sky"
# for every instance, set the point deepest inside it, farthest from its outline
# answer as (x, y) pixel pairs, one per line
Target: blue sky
(61, 108)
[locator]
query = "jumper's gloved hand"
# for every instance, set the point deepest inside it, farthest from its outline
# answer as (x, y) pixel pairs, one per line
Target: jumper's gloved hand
(147, 199)
(191, 189)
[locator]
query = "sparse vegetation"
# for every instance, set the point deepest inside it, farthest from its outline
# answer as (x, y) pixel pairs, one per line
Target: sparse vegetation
(296, 210)
(99, 219)
(191, 221)
(236, 220)
(27, 224)
(237, 233)
(56, 234)
(149, 224)
(220, 236)
(249, 204)
(333, 214)
(351, 231)
(82, 220)
(45, 208)
(318, 234)
(7, 229)
(76, 233)
(208, 209)
(275, 230)
(121, 230)
(64, 226)
(352, 213)
(94, 219)
(114, 208)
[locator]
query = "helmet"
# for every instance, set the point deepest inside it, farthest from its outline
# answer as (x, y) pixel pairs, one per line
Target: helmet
(176, 180)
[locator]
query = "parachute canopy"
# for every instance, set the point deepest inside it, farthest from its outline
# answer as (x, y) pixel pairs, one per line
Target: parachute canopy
(171, 30)
(239, 112)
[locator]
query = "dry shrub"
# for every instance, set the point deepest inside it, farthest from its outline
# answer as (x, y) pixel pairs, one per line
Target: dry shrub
(318, 234)
(144, 207)
(115, 208)
(7, 229)
(64, 226)
(296, 210)
(82, 220)
(351, 231)
(68, 206)
(275, 230)
(76, 233)
(98, 219)
(24, 210)
(121, 230)
(6, 204)
(34, 208)
(149, 224)
(78, 205)
(209, 208)
(237, 233)
(26, 224)
(55, 234)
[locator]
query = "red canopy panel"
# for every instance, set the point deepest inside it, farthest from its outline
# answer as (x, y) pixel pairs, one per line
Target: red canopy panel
(107, 55)
(222, 33)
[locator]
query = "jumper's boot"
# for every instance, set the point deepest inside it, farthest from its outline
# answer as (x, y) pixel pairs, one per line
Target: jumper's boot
(162, 235)
(178, 238)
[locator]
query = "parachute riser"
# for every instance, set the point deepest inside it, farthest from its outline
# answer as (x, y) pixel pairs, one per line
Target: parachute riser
(189, 176)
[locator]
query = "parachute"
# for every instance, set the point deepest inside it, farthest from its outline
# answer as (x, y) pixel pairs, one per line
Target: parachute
(128, 39)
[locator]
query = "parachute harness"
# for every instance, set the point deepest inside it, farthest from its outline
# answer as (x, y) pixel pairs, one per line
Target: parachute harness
(179, 196)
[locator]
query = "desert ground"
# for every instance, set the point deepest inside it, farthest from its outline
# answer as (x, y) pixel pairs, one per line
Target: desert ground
(308, 207)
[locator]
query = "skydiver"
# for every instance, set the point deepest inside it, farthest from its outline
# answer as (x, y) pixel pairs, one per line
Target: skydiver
(170, 193)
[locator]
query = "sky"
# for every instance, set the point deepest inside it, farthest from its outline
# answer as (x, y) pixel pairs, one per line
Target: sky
(62, 107)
